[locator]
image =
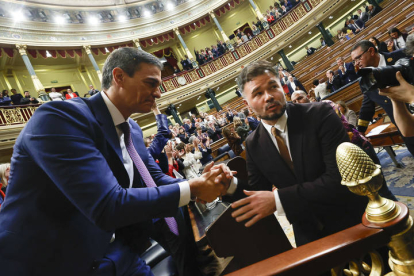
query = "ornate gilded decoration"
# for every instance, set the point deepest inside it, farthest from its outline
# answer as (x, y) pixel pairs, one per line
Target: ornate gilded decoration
(360, 267)
(363, 177)
(87, 49)
(18, 115)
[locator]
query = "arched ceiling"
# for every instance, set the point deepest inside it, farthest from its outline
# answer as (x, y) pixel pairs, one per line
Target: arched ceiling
(81, 3)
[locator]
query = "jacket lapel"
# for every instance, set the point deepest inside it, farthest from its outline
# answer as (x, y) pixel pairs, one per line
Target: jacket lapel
(102, 115)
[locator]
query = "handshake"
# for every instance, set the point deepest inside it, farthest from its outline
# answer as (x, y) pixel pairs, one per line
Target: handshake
(213, 183)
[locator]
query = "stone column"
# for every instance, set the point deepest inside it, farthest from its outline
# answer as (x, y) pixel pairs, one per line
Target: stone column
(223, 34)
(187, 51)
(256, 9)
(137, 44)
(172, 110)
(325, 34)
(286, 61)
(92, 59)
(210, 94)
(37, 84)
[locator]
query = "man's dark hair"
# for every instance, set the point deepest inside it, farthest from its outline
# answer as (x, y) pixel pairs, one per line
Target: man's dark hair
(331, 72)
(409, 46)
(180, 146)
(316, 82)
(246, 112)
(129, 60)
(365, 45)
(253, 70)
(26, 91)
(395, 30)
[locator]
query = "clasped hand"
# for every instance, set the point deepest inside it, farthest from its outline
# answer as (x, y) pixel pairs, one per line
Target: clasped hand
(213, 183)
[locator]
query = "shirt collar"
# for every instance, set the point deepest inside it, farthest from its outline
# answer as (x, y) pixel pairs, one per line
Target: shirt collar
(382, 61)
(280, 125)
(116, 115)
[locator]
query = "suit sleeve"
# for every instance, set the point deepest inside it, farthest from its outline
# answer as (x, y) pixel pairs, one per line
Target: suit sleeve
(161, 138)
(67, 147)
(325, 189)
(366, 113)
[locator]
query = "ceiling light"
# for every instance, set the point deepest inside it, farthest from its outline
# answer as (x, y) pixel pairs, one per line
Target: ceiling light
(271, 58)
(290, 46)
(18, 16)
(147, 13)
(122, 18)
(310, 32)
(330, 17)
(60, 20)
(93, 20)
(48, 54)
(170, 6)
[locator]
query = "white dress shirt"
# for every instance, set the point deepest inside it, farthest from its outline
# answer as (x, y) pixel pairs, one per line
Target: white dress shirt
(399, 43)
(281, 125)
(117, 118)
(382, 61)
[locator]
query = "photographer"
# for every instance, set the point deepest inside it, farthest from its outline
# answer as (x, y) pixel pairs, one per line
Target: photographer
(400, 95)
(364, 54)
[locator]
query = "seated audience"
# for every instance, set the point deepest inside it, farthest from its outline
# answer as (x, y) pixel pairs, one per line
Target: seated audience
(4, 99)
(244, 37)
(70, 94)
(294, 85)
(56, 96)
(233, 139)
(349, 114)
(190, 160)
(28, 99)
(398, 39)
(213, 132)
(242, 128)
(346, 71)
(92, 91)
(334, 82)
(252, 121)
(310, 51)
(320, 89)
(299, 96)
(381, 46)
(15, 97)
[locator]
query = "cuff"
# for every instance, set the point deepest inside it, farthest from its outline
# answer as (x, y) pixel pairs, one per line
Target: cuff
(185, 193)
(279, 207)
(232, 187)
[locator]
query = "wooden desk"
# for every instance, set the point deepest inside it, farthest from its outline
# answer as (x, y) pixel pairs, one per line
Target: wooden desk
(387, 138)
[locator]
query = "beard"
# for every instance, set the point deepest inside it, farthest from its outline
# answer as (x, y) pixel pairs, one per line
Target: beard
(275, 115)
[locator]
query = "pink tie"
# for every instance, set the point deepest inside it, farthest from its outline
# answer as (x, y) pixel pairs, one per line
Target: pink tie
(142, 169)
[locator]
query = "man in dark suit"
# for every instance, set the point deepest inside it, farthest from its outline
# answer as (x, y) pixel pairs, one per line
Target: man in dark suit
(346, 71)
(365, 54)
(15, 97)
(310, 51)
(253, 122)
(92, 195)
(229, 115)
(356, 26)
(334, 82)
(362, 15)
(293, 150)
(294, 85)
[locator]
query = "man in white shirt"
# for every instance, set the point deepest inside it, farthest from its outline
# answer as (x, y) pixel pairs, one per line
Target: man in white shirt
(320, 89)
(55, 96)
(293, 150)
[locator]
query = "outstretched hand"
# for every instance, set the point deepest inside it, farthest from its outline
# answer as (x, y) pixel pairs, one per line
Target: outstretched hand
(258, 205)
(402, 93)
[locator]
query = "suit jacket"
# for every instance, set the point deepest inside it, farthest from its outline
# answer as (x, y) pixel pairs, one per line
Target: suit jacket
(312, 196)
(162, 136)
(298, 84)
(335, 84)
(349, 75)
(68, 192)
(253, 122)
(16, 98)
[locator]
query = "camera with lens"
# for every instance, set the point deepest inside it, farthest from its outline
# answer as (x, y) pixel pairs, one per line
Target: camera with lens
(381, 77)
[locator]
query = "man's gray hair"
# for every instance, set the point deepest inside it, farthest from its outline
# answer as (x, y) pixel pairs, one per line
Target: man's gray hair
(409, 45)
(129, 60)
(299, 92)
(254, 69)
(339, 58)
